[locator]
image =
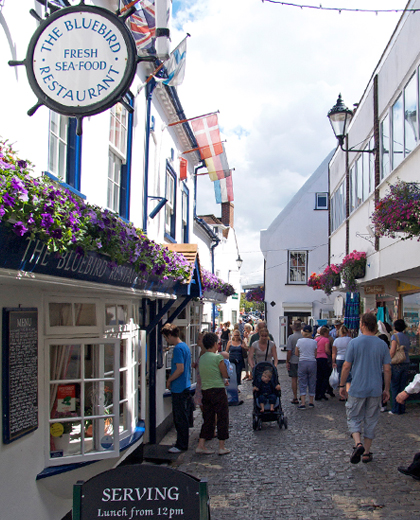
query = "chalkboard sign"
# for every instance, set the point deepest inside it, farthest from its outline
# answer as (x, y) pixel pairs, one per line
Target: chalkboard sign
(20, 373)
(141, 490)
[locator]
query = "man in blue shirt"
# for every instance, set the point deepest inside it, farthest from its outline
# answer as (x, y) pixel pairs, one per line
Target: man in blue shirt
(366, 356)
(179, 383)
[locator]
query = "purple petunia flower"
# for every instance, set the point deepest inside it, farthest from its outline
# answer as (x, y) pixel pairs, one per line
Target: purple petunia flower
(20, 229)
(47, 220)
(2, 211)
(8, 200)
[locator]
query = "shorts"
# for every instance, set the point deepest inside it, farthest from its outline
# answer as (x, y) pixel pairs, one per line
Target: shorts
(293, 370)
(364, 410)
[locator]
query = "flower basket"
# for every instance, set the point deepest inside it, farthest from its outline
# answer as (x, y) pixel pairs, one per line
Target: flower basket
(398, 211)
(330, 278)
(314, 281)
(353, 268)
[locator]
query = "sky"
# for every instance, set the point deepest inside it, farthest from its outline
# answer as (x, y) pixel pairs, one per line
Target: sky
(274, 72)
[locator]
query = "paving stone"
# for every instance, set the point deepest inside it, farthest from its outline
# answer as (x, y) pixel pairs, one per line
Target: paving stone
(303, 473)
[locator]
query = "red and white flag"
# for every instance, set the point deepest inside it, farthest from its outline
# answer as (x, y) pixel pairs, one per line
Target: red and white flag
(217, 166)
(207, 134)
(183, 168)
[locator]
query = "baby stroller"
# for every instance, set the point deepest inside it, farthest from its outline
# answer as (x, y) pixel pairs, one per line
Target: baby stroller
(258, 417)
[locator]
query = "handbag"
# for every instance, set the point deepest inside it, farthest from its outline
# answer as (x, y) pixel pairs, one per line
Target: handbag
(399, 356)
(244, 352)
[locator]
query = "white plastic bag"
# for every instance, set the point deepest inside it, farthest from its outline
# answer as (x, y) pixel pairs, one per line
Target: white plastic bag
(334, 378)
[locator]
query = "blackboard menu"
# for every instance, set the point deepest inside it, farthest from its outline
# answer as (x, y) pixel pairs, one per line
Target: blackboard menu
(20, 372)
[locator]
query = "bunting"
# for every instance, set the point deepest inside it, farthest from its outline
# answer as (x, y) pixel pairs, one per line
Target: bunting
(175, 65)
(183, 168)
(223, 190)
(207, 134)
(217, 166)
(143, 26)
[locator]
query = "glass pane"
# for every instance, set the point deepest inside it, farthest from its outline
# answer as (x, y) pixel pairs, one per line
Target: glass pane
(123, 385)
(65, 362)
(85, 314)
(99, 435)
(110, 315)
(385, 147)
(123, 353)
(359, 181)
(397, 133)
(98, 398)
(52, 161)
(352, 188)
(64, 401)
(63, 128)
(108, 360)
(61, 314)
(410, 115)
(125, 417)
(65, 438)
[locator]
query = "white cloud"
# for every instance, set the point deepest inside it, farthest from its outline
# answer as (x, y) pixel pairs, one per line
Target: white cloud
(274, 72)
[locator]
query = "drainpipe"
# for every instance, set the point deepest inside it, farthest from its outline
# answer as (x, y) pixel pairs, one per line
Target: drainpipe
(150, 87)
(213, 247)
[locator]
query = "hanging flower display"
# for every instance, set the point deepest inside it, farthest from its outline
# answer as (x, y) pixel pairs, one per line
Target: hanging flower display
(352, 268)
(314, 281)
(330, 278)
(210, 282)
(399, 211)
(255, 295)
(36, 207)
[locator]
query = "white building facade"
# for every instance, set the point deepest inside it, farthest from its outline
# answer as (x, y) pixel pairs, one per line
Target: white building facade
(386, 121)
(294, 246)
(95, 335)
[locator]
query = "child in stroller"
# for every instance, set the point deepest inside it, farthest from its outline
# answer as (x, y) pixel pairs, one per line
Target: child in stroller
(266, 393)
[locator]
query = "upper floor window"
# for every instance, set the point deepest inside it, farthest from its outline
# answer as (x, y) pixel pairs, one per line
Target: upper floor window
(338, 207)
(64, 150)
(119, 158)
(321, 200)
(362, 178)
(385, 147)
(397, 132)
(170, 195)
(298, 261)
(410, 115)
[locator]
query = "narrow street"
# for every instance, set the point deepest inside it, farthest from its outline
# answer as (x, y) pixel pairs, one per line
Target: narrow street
(304, 472)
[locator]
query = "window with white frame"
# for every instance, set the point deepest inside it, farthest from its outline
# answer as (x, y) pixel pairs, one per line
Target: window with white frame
(298, 261)
(385, 147)
(411, 123)
(94, 382)
(321, 200)
(362, 178)
(397, 132)
(170, 207)
(338, 207)
(117, 154)
(83, 400)
(64, 150)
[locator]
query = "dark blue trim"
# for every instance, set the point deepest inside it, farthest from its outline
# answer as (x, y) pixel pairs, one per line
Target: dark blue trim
(74, 155)
(173, 217)
(124, 444)
(154, 323)
(152, 354)
(186, 228)
(65, 185)
(149, 94)
(179, 309)
(126, 168)
(169, 238)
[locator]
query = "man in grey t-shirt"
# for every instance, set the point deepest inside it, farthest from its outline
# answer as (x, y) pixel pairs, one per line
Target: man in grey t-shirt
(292, 359)
(366, 356)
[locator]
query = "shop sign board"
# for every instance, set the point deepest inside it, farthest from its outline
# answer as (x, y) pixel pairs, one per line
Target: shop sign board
(138, 491)
(80, 61)
(20, 372)
(374, 289)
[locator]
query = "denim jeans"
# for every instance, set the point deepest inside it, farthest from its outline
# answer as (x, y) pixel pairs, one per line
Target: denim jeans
(399, 374)
(181, 418)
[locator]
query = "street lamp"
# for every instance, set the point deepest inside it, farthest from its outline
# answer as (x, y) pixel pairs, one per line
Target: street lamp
(340, 118)
(239, 262)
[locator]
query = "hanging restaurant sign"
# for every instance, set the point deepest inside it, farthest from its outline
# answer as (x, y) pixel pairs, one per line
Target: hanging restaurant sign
(80, 61)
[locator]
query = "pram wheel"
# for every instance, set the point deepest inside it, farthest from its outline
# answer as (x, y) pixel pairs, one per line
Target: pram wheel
(255, 422)
(280, 422)
(259, 424)
(285, 422)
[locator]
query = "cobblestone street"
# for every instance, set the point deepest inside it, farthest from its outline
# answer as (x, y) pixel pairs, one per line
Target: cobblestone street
(304, 472)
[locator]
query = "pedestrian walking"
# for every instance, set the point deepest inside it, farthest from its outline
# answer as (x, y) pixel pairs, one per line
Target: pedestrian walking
(366, 357)
(214, 379)
(264, 349)
(399, 369)
(306, 351)
(234, 349)
(292, 359)
(339, 349)
(225, 335)
(179, 383)
(322, 368)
